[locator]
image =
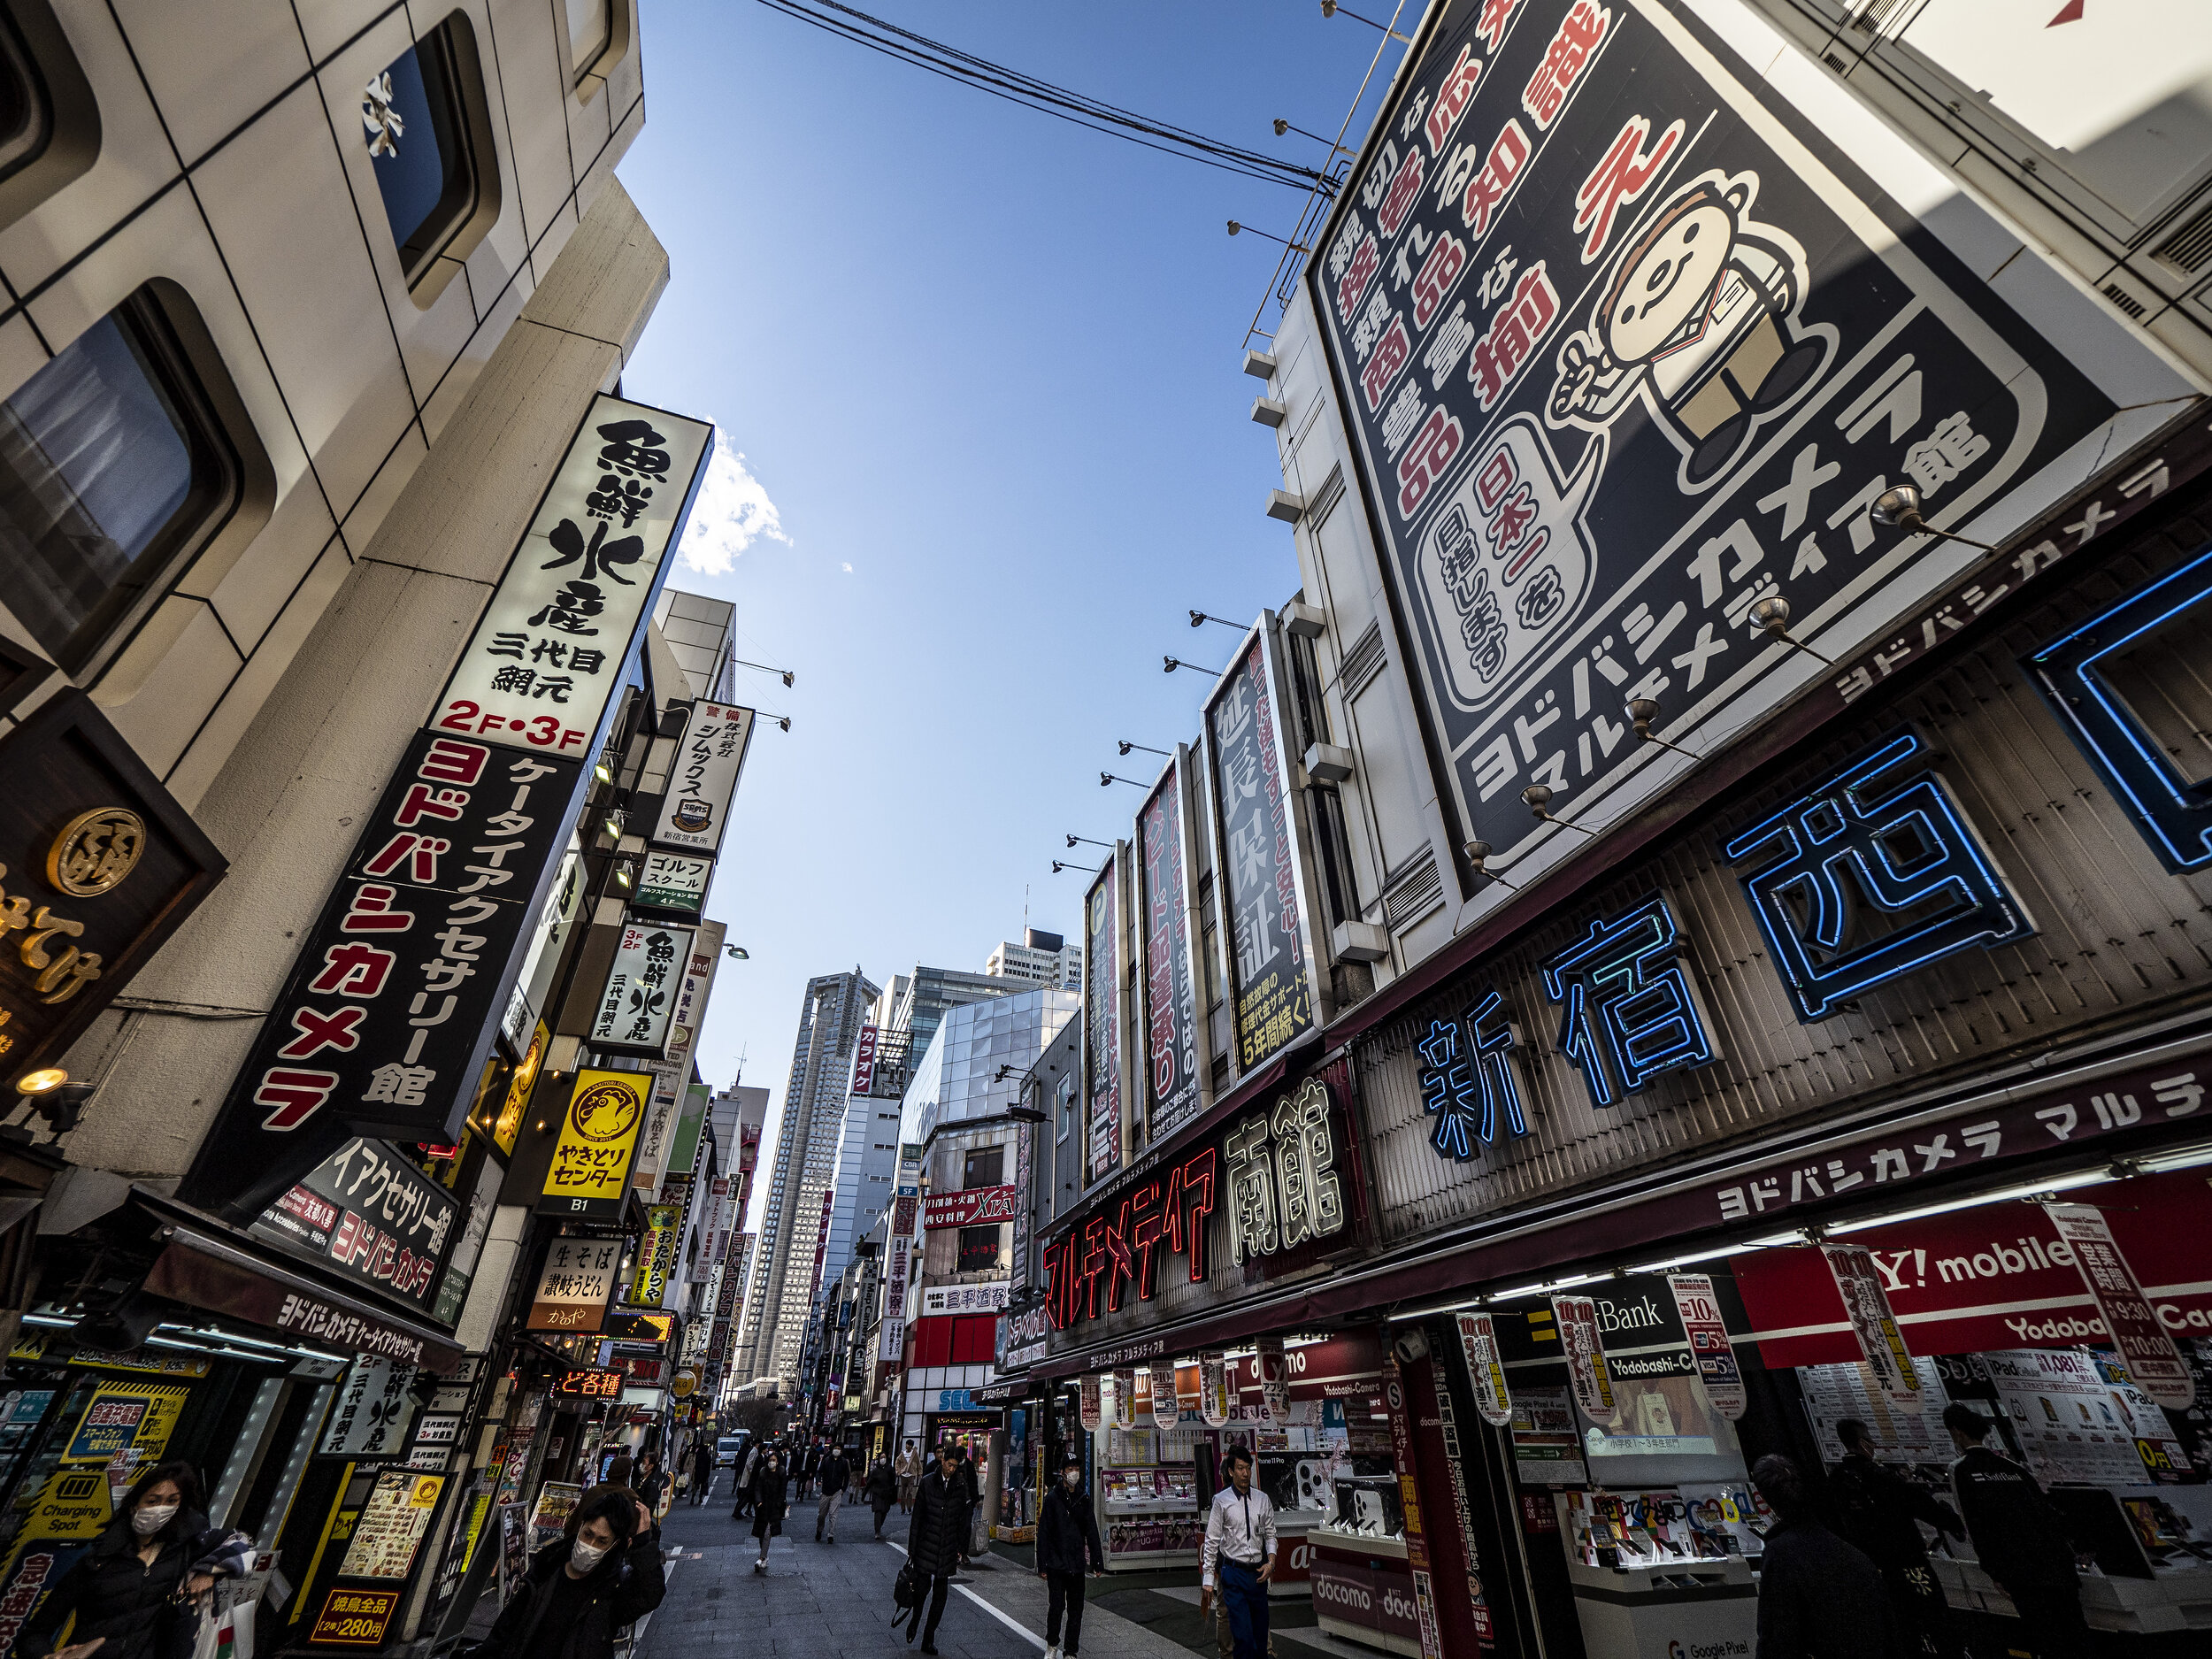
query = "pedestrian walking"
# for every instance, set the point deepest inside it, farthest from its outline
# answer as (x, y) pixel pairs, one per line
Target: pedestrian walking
(702, 1468)
(129, 1590)
(771, 1497)
(742, 1475)
(937, 1540)
(649, 1481)
(834, 1473)
(881, 1491)
(601, 1574)
(908, 1469)
(1819, 1597)
(1067, 1542)
(803, 1464)
(1240, 1556)
(617, 1470)
(1878, 1513)
(2018, 1537)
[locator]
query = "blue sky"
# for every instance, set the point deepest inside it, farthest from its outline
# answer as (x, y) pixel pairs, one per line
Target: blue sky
(983, 369)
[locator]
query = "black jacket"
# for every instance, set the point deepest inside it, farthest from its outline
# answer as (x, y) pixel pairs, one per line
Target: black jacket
(882, 1487)
(770, 1492)
(1876, 1508)
(1065, 1528)
(1820, 1599)
(116, 1595)
(650, 1489)
(625, 1585)
(2018, 1537)
(835, 1472)
(938, 1537)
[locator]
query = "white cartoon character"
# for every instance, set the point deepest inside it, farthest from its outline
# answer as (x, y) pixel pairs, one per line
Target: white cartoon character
(1700, 317)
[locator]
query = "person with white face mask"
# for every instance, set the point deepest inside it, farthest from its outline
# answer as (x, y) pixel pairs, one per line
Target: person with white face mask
(583, 1587)
(121, 1589)
(1067, 1540)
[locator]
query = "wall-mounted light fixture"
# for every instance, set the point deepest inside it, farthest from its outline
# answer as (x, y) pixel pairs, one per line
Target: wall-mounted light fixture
(1642, 713)
(1537, 798)
(1899, 509)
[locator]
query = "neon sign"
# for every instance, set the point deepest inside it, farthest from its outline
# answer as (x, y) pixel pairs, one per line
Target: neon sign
(1468, 1080)
(1629, 1009)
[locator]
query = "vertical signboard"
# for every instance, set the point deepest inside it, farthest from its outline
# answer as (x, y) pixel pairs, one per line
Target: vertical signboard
(1709, 1346)
(1859, 1282)
(1626, 348)
(1102, 1018)
(1485, 1370)
(591, 1159)
(864, 1060)
(1584, 1351)
(702, 777)
(1257, 860)
(2154, 1365)
(639, 1005)
(1173, 1072)
(898, 1259)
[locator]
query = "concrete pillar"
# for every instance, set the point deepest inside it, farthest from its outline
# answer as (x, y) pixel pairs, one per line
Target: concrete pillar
(285, 805)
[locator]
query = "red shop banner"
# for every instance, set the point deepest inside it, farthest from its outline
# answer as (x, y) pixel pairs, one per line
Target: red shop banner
(975, 1207)
(1992, 1278)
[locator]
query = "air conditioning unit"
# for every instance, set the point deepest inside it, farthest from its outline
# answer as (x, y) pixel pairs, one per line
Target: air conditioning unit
(1361, 942)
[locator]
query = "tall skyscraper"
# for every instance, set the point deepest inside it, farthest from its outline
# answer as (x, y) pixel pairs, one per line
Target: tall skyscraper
(793, 1235)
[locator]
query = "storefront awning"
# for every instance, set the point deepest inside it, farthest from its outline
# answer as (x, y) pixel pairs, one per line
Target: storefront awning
(204, 1271)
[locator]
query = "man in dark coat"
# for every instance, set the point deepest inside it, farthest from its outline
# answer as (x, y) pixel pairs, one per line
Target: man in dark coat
(701, 1467)
(881, 1490)
(1878, 1513)
(1819, 1597)
(603, 1573)
(1067, 1541)
(2018, 1537)
(835, 1472)
(937, 1540)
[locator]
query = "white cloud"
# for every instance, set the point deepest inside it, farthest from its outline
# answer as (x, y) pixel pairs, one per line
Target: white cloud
(732, 512)
(848, 570)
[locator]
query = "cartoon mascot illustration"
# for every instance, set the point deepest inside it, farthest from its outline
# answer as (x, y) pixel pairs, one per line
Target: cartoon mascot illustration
(1701, 317)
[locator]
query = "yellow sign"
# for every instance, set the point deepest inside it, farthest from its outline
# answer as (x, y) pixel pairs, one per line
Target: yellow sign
(73, 1504)
(684, 1383)
(139, 1416)
(39, 1346)
(656, 1254)
(509, 1123)
(96, 850)
(591, 1161)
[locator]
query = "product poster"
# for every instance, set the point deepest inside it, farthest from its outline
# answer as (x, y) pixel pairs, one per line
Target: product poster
(1164, 1409)
(1124, 1397)
(1628, 345)
(1213, 1390)
(1092, 1408)
(1585, 1354)
(1860, 1285)
(1709, 1346)
(1274, 1370)
(1547, 1447)
(391, 1525)
(1478, 1341)
(2154, 1365)
(2064, 1415)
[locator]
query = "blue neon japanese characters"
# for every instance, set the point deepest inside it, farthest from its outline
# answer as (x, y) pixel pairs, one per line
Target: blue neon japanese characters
(1467, 1079)
(2075, 673)
(1629, 1009)
(1872, 873)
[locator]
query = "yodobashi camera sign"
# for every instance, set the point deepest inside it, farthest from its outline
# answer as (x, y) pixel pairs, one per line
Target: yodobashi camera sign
(1626, 350)
(702, 777)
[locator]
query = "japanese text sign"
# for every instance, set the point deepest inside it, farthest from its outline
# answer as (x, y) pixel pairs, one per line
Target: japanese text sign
(2154, 1365)
(673, 881)
(373, 1215)
(1479, 1344)
(638, 1005)
(591, 1160)
(1859, 1282)
(1258, 859)
(1103, 1019)
(656, 1254)
(1584, 1349)
(1716, 1356)
(1469, 1083)
(972, 1207)
(1173, 1078)
(375, 1409)
(702, 777)
(552, 645)
(575, 1287)
(1625, 349)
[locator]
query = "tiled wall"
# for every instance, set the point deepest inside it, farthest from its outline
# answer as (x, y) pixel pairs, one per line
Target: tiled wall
(233, 163)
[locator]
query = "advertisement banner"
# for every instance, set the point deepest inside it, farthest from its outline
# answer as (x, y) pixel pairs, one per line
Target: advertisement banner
(375, 1413)
(1173, 1076)
(591, 1159)
(392, 1524)
(1580, 1345)
(1258, 858)
(553, 643)
(672, 881)
(1102, 1019)
(971, 1207)
(898, 1259)
(702, 777)
(1716, 1356)
(576, 1285)
(656, 1254)
(1478, 1341)
(1124, 1397)
(1161, 1378)
(639, 1005)
(368, 1212)
(2154, 1365)
(864, 1060)
(1213, 1389)
(985, 1298)
(1274, 1369)
(1628, 348)
(1090, 1409)
(1880, 1343)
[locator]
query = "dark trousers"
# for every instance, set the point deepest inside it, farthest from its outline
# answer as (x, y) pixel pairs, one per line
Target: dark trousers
(2050, 1612)
(1924, 1618)
(939, 1588)
(1064, 1589)
(1244, 1598)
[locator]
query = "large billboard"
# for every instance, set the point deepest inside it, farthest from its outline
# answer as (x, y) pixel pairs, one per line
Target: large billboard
(1257, 857)
(1172, 1069)
(1630, 347)
(1102, 1019)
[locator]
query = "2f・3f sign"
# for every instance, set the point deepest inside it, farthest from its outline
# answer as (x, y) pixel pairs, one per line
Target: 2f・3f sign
(550, 648)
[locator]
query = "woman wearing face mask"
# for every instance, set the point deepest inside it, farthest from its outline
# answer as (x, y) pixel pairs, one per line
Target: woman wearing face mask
(583, 1587)
(771, 1492)
(158, 1545)
(1067, 1533)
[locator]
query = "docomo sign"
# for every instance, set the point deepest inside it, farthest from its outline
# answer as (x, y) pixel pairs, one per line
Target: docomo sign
(974, 1207)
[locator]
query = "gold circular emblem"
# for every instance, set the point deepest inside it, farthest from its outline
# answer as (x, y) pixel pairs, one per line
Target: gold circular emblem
(96, 850)
(605, 1112)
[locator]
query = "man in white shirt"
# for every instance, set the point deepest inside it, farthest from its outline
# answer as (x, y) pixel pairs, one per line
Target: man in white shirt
(1240, 1556)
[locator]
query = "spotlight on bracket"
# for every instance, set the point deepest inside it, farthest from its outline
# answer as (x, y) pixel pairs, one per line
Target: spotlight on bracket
(1477, 855)
(1643, 712)
(1773, 614)
(1899, 509)
(1537, 798)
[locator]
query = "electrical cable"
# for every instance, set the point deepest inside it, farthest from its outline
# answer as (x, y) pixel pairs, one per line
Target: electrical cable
(1048, 98)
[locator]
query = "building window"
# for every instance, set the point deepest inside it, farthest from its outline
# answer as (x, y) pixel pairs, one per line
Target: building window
(114, 470)
(429, 142)
(590, 31)
(985, 1167)
(979, 1249)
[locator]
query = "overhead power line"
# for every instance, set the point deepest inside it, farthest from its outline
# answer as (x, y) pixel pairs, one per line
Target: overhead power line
(1046, 97)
